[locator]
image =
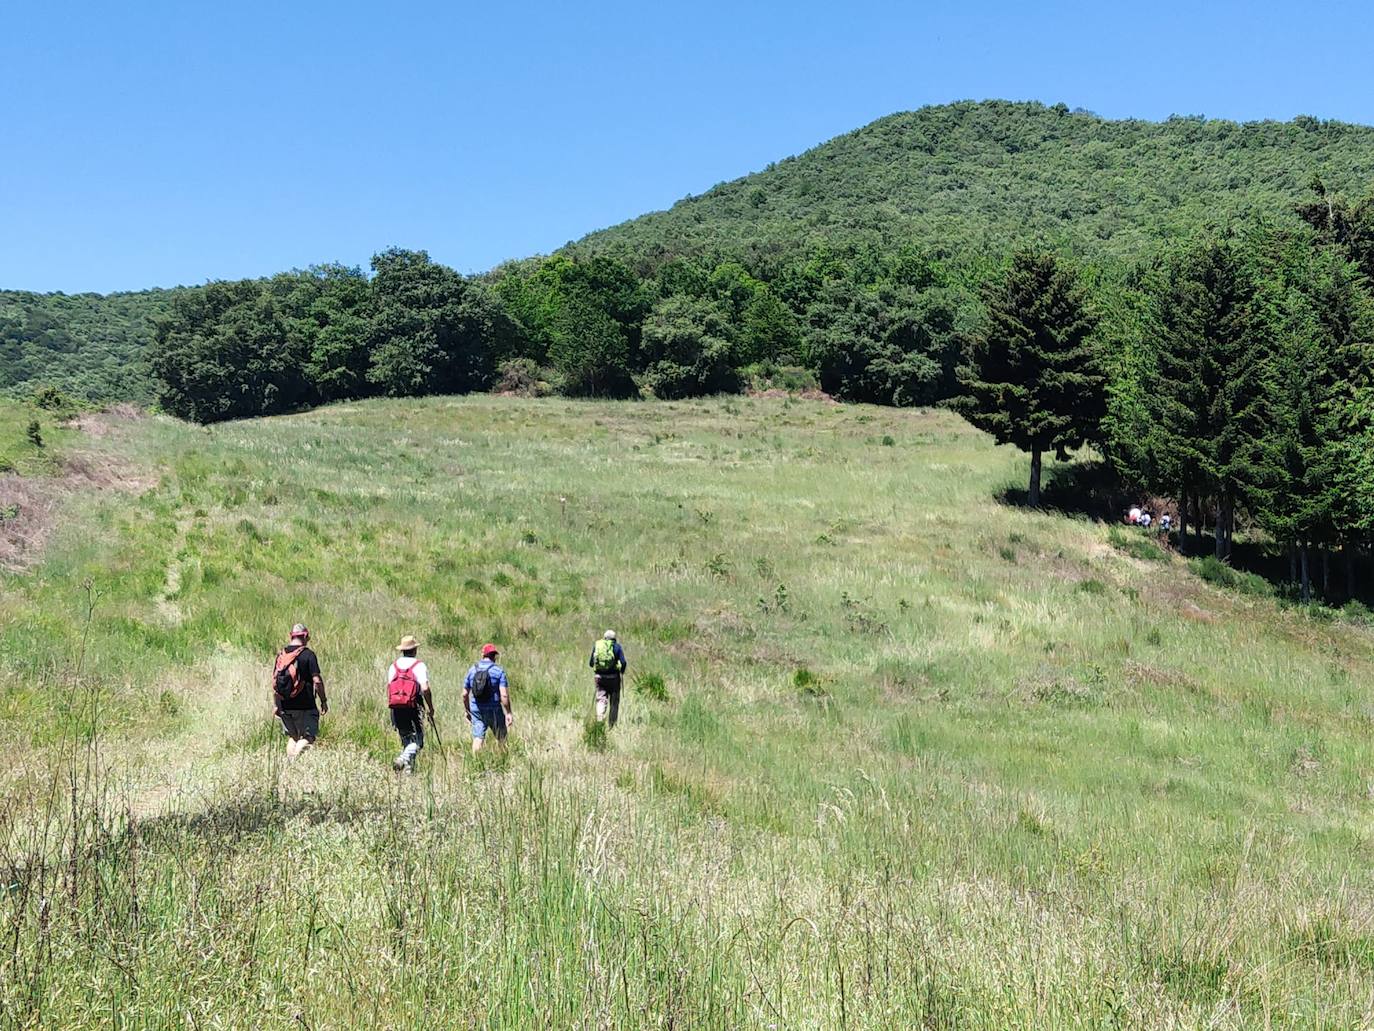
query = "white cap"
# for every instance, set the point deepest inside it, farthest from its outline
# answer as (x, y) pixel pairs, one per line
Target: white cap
(609, 635)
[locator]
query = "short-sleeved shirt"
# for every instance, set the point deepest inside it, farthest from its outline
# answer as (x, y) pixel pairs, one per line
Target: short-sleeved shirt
(497, 678)
(307, 669)
(417, 667)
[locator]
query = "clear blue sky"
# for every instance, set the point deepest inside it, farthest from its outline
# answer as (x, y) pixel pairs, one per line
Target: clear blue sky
(150, 144)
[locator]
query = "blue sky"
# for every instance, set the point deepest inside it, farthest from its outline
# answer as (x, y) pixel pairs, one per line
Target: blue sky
(150, 144)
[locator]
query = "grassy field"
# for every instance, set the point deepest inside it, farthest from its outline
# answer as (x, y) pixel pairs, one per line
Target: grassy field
(891, 754)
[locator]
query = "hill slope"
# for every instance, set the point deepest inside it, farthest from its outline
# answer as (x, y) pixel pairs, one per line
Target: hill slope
(88, 345)
(962, 181)
(892, 754)
(968, 178)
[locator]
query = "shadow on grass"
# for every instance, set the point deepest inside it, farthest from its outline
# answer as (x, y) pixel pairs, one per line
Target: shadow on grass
(1256, 566)
(245, 817)
(1077, 489)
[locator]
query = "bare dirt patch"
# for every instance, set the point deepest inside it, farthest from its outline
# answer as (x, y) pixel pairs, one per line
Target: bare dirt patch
(98, 425)
(29, 505)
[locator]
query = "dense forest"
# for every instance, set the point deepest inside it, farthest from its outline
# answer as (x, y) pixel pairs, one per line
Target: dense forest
(1192, 298)
(964, 182)
(953, 189)
(91, 346)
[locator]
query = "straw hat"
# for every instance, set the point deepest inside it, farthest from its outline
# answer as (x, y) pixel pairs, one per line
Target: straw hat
(407, 643)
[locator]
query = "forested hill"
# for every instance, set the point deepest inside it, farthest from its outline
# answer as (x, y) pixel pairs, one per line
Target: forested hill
(970, 178)
(90, 345)
(799, 264)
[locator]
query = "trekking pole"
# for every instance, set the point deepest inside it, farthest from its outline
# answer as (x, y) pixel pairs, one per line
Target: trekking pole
(435, 727)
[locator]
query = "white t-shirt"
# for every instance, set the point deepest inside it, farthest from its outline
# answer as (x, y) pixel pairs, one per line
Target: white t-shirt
(415, 666)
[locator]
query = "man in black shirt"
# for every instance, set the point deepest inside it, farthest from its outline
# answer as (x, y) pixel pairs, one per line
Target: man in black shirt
(296, 682)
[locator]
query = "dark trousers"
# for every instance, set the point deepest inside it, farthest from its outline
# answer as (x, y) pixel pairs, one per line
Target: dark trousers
(410, 725)
(608, 691)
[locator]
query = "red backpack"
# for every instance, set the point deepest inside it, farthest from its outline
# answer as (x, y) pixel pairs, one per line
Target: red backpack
(403, 690)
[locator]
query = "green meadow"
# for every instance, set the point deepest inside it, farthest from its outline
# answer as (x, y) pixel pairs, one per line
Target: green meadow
(891, 754)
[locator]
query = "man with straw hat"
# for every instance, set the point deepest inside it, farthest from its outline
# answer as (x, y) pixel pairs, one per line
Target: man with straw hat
(407, 688)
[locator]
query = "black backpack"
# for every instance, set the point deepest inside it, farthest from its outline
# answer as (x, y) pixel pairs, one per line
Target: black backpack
(483, 687)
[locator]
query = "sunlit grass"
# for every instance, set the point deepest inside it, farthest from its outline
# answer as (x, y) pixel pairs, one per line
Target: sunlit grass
(870, 770)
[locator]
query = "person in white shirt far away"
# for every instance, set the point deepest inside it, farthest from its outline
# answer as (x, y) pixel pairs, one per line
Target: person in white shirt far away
(407, 689)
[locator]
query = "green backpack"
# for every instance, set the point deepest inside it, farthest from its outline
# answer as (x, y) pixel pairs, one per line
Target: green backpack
(603, 656)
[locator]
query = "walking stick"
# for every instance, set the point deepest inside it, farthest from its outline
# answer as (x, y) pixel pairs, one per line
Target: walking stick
(429, 715)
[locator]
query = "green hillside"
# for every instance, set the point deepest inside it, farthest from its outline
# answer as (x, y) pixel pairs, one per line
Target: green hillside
(90, 346)
(867, 250)
(966, 179)
(892, 755)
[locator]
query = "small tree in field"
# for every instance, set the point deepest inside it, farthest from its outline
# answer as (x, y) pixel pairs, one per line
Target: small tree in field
(1033, 377)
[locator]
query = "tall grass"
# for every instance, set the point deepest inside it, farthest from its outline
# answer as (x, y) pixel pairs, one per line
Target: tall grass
(922, 786)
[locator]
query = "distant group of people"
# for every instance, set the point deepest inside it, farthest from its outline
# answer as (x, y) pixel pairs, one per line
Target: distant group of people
(298, 694)
(1138, 516)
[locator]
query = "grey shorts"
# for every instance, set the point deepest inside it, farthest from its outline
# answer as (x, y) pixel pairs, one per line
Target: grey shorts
(300, 723)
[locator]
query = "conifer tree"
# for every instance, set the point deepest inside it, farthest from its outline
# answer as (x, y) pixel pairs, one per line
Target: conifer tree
(1210, 393)
(1033, 377)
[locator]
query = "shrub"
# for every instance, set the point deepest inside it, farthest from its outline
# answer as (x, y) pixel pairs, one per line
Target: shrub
(1219, 574)
(522, 377)
(807, 682)
(594, 735)
(50, 399)
(889, 440)
(794, 379)
(651, 685)
(1357, 612)
(35, 433)
(1136, 545)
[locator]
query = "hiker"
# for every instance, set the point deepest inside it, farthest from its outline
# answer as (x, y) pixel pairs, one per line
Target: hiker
(296, 683)
(1133, 516)
(1146, 519)
(608, 665)
(407, 690)
(486, 698)
(1166, 523)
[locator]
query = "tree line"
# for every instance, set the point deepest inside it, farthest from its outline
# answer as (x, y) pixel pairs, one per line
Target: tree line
(1229, 372)
(950, 185)
(860, 324)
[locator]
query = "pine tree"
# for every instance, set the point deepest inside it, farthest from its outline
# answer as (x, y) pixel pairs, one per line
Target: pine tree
(1209, 393)
(1033, 377)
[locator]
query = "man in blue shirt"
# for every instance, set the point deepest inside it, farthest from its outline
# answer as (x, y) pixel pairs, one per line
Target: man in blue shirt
(608, 665)
(486, 698)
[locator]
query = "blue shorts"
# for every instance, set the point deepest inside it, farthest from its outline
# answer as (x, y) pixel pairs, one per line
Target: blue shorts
(488, 717)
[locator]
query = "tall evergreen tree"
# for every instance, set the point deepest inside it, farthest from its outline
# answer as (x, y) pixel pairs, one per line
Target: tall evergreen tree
(1033, 376)
(1209, 396)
